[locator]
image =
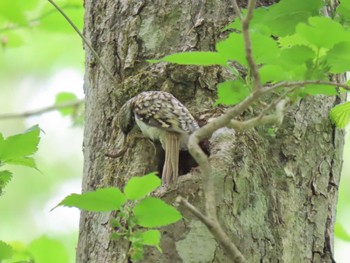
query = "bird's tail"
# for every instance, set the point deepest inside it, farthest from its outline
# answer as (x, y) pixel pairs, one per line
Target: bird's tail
(171, 163)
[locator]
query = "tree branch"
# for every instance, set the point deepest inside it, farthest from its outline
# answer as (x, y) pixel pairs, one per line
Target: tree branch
(253, 68)
(271, 119)
(85, 41)
(301, 83)
(26, 114)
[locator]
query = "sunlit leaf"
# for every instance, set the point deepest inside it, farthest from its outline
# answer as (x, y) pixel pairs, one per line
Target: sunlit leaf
(340, 115)
(272, 73)
(151, 238)
(231, 92)
(343, 10)
(101, 200)
(194, 58)
(18, 148)
(5, 177)
(283, 17)
(264, 48)
(338, 57)
(153, 212)
(6, 251)
(138, 187)
(314, 32)
(46, 250)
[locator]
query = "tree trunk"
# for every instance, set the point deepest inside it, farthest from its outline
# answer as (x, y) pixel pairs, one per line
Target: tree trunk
(276, 196)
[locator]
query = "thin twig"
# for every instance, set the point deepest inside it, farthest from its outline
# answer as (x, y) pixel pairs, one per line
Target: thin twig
(216, 231)
(26, 114)
(85, 41)
(275, 118)
(237, 10)
(253, 68)
(35, 21)
(302, 83)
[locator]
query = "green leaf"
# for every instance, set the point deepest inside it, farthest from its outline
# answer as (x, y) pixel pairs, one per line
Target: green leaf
(151, 238)
(194, 58)
(17, 148)
(64, 97)
(283, 17)
(340, 232)
(296, 55)
(12, 11)
(46, 250)
(153, 212)
(5, 177)
(101, 200)
(340, 115)
(272, 73)
(338, 58)
(232, 48)
(343, 10)
(138, 187)
(264, 48)
(231, 92)
(314, 32)
(6, 251)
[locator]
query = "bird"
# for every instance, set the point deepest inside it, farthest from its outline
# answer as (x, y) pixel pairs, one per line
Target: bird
(160, 116)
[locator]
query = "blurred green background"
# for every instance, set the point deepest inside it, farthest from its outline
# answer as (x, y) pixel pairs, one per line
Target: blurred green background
(41, 56)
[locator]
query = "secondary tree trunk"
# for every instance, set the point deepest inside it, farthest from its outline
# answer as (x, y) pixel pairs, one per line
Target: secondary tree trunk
(276, 196)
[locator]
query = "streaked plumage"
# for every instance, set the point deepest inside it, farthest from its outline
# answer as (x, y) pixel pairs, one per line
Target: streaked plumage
(160, 116)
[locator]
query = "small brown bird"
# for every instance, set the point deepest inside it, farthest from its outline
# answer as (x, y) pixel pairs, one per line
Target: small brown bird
(160, 116)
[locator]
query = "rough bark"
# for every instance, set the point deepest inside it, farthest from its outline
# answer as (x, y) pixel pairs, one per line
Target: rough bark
(276, 196)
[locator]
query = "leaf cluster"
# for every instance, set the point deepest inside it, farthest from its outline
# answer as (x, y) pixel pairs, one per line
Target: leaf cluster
(137, 212)
(290, 41)
(18, 150)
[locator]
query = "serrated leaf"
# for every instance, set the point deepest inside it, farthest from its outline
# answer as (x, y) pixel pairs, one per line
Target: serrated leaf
(153, 212)
(264, 48)
(296, 55)
(283, 17)
(5, 178)
(151, 238)
(46, 250)
(338, 58)
(340, 115)
(63, 97)
(101, 200)
(17, 149)
(271, 73)
(138, 187)
(6, 251)
(340, 232)
(314, 32)
(194, 58)
(231, 92)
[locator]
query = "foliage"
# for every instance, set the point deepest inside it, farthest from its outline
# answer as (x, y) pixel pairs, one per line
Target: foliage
(18, 150)
(41, 250)
(288, 43)
(137, 212)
